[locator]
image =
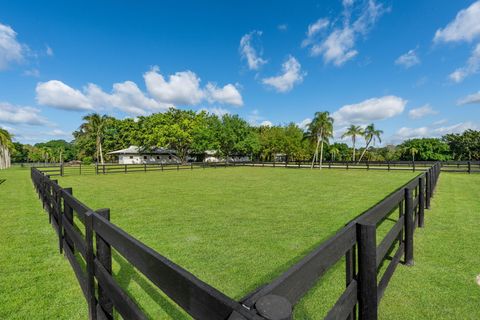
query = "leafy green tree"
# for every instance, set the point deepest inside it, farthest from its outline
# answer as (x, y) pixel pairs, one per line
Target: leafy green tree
(236, 136)
(465, 146)
(370, 134)
(319, 131)
(6, 147)
(353, 131)
(424, 149)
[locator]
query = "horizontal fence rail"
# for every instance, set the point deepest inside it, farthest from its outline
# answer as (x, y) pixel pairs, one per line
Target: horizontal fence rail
(87, 237)
(109, 168)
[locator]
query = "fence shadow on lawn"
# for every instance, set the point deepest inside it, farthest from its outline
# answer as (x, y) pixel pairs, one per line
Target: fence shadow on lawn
(127, 274)
(354, 246)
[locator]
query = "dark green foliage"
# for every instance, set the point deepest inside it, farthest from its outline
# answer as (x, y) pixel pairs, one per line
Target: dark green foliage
(424, 149)
(465, 146)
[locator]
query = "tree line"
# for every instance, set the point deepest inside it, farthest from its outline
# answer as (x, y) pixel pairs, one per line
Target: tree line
(192, 133)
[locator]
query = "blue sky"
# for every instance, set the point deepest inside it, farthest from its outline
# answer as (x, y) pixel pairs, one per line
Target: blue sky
(408, 66)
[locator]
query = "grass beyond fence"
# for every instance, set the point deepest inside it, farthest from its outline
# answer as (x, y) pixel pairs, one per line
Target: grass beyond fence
(414, 203)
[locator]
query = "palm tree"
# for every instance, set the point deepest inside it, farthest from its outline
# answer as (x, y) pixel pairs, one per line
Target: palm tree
(413, 151)
(6, 146)
(334, 152)
(370, 134)
(95, 128)
(319, 130)
(354, 132)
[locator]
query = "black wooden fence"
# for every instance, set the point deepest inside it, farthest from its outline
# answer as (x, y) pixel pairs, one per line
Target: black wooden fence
(276, 300)
(108, 168)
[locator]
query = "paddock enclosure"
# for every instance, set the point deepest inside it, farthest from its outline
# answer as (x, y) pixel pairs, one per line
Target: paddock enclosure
(363, 251)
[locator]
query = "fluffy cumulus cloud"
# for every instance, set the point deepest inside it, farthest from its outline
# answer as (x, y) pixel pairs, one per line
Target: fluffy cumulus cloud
(181, 88)
(219, 112)
(432, 131)
(408, 59)
(291, 75)
(337, 43)
(57, 94)
(249, 50)
(473, 98)
(11, 51)
(256, 119)
(373, 109)
(18, 115)
(304, 123)
(471, 67)
(421, 112)
(465, 26)
(229, 94)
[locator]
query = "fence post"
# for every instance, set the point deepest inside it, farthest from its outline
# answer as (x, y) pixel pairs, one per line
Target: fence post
(61, 169)
(90, 267)
(409, 227)
(103, 168)
(388, 165)
(350, 266)
(413, 163)
(469, 166)
(428, 177)
(145, 167)
(125, 168)
(421, 202)
(104, 255)
(68, 214)
(367, 271)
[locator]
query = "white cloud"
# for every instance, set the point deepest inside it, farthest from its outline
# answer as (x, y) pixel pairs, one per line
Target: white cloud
(440, 122)
(255, 119)
(11, 51)
(292, 75)
(49, 51)
(249, 52)
(339, 45)
(405, 133)
(229, 94)
(282, 27)
(304, 123)
(125, 96)
(408, 59)
(182, 88)
(266, 123)
(373, 109)
(465, 26)
(21, 115)
(472, 66)
(32, 73)
(220, 112)
(56, 94)
(473, 98)
(421, 112)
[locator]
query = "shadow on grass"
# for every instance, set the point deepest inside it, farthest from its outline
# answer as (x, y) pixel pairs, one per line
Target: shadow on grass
(2, 180)
(128, 273)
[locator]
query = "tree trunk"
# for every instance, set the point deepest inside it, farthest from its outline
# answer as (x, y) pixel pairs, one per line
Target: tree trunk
(100, 150)
(363, 153)
(321, 150)
(315, 155)
(353, 140)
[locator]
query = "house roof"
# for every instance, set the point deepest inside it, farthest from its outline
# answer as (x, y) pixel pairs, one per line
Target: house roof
(138, 150)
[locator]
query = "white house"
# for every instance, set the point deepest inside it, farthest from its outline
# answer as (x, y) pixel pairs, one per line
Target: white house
(137, 155)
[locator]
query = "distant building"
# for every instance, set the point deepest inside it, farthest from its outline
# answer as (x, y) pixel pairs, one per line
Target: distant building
(137, 155)
(213, 156)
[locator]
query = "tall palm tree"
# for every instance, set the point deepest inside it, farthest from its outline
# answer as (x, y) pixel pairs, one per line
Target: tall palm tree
(413, 151)
(333, 152)
(6, 146)
(319, 131)
(354, 132)
(370, 134)
(94, 127)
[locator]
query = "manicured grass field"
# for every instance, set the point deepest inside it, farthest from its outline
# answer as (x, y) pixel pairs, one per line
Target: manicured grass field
(235, 228)
(442, 283)
(36, 282)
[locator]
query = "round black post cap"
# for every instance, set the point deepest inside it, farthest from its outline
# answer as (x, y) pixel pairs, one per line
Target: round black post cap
(274, 307)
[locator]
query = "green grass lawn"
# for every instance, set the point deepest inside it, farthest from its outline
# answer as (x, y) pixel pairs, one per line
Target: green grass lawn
(36, 282)
(235, 228)
(442, 283)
